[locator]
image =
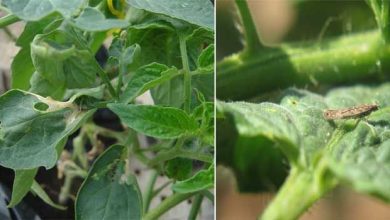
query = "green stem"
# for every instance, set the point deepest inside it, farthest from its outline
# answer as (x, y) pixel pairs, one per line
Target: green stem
(252, 40)
(166, 205)
(149, 190)
(134, 148)
(300, 190)
(79, 148)
(381, 13)
(305, 184)
(208, 195)
(173, 153)
(158, 190)
(195, 207)
(122, 68)
(177, 151)
(8, 20)
(120, 82)
(187, 73)
(120, 136)
(168, 154)
(65, 189)
(196, 156)
(346, 59)
(103, 75)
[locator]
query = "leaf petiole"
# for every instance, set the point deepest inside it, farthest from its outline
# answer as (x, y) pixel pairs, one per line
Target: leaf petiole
(166, 205)
(187, 73)
(8, 20)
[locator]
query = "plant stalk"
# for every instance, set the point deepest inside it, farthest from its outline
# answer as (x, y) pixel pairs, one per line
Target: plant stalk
(65, 189)
(166, 205)
(187, 73)
(195, 208)
(346, 59)
(300, 190)
(8, 20)
(252, 40)
(173, 153)
(149, 190)
(208, 195)
(79, 149)
(103, 75)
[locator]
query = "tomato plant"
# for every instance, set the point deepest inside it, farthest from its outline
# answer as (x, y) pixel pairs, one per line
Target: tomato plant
(296, 83)
(165, 47)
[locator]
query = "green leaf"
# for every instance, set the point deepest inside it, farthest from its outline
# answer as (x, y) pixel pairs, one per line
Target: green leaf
(107, 192)
(259, 168)
(165, 46)
(266, 120)
(170, 93)
(146, 78)
(156, 121)
(206, 58)
(22, 183)
(86, 98)
(63, 61)
(360, 156)
(33, 10)
(197, 37)
(204, 111)
(124, 56)
(28, 136)
(37, 189)
(22, 69)
(167, 92)
(205, 84)
(96, 92)
(178, 168)
(92, 19)
(22, 66)
(202, 180)
(40, 85)
(352, 152)
(200, 12)
(196, 41)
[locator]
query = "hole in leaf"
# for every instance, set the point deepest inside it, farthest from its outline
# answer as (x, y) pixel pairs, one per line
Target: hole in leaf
(40, 106)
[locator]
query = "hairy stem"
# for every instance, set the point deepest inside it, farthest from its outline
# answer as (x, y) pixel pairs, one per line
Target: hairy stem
(301, 190)
(349, 58)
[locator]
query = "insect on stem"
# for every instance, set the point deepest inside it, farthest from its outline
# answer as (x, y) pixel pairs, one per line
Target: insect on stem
(352, 112)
